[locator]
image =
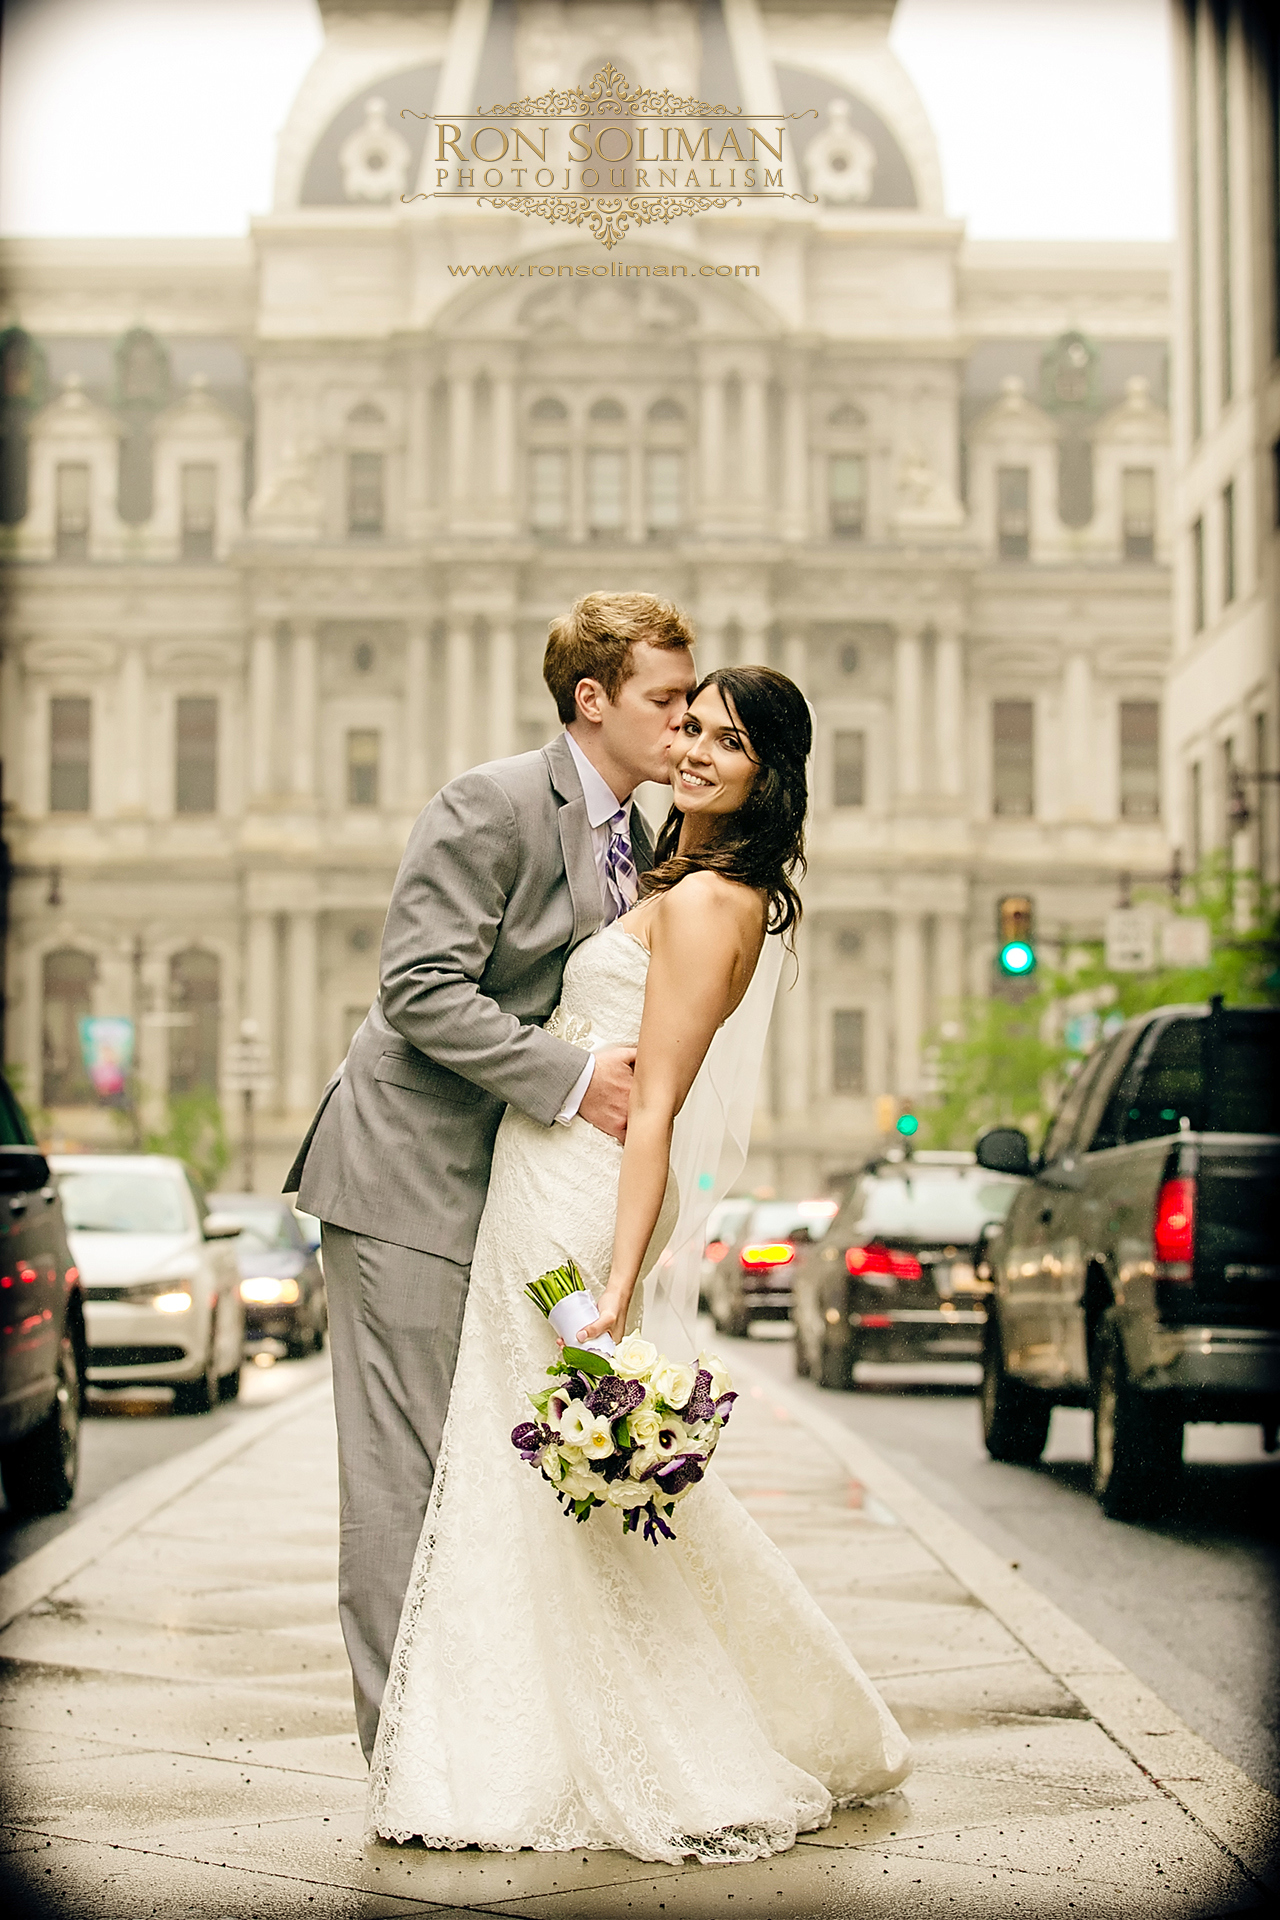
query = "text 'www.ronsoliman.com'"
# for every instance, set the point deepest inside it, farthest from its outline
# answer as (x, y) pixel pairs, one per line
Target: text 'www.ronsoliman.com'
(613, 270)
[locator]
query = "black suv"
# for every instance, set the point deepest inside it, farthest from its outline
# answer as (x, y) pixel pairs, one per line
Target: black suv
(896, 1277)
(42, 1347)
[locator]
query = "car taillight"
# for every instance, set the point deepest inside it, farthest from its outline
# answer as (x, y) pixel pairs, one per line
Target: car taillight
(776, 1254)
(889, 1260)
(715, 1251)
(1175, 1229)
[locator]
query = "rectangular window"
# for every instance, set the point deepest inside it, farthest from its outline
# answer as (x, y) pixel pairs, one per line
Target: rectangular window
(849, 755)
(1221, 23)
(549, 493)
(365, 502)
(847, 495)
(1228, 543)
(199, 500)
(195, 787)
(848, 1050)
(606, 493)
(1139, 759)
(1013, 512)
(1195, 813)
(1013, 757)
(73, 510)
(362, 767)
(1138, 512)
(1197, 576)
(664, 489)
(69, 742)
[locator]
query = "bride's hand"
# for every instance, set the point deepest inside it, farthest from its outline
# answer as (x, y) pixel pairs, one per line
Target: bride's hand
(612, 1317)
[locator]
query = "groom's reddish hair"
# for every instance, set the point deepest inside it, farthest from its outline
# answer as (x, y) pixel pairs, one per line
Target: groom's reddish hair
(593, 641)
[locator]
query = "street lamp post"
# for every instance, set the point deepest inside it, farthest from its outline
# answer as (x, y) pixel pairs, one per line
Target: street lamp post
(248, 1073)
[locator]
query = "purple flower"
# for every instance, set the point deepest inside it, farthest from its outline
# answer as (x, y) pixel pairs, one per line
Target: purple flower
(724, 1405)
(699, 1405)
(673, 1476)
(530, 1438)
(613, 1397)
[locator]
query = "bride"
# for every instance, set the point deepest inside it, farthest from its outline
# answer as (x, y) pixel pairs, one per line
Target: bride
(560, 1686)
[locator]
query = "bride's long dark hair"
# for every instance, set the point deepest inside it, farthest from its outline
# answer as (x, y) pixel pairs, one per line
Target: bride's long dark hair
(762, 844)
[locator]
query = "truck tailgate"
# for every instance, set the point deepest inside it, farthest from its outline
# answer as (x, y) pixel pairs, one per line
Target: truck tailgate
(1237, 1249)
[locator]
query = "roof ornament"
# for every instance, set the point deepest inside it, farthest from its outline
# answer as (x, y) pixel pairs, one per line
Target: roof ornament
(375, 158)
(840, 162)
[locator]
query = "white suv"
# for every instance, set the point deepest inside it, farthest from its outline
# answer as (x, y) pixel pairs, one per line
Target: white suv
(158, 1273)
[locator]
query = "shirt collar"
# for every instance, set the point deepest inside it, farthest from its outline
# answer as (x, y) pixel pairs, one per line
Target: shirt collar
(602, 801)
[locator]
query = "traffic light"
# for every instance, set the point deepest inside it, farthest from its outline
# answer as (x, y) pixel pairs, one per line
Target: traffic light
(1015, 952)
(907, 1123)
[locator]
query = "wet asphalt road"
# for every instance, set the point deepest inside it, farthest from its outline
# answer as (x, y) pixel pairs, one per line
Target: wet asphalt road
(1191, 1605)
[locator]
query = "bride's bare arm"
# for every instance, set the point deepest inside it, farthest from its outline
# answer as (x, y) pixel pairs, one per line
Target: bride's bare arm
(704, 941)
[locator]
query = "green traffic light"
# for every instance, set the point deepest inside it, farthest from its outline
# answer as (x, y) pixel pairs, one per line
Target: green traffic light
(908, 1124)
(1016, 957)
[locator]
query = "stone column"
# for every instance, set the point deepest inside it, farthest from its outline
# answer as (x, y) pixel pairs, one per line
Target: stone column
(459, 696)
(949, 961)
(796, 660)
(261, 985)
(949, 713)
(908, 998)
(503, 689)
(907, 712)
(262, 712)
(301, 971)
(417, 664)
(304, 712)
(1078, 771)
(462, 426)
(795, 463)
(131, 740)
(710, 444)
(753, 481)
(503, 419)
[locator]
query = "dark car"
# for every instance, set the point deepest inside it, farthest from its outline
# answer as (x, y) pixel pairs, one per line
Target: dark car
(752, 1278)
(1139, 1269)
(896, 1277)
(42, 1344)
(281, 1284)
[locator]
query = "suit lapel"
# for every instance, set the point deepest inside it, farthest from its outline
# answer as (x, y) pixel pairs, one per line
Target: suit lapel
(575, 841)
(641, 841)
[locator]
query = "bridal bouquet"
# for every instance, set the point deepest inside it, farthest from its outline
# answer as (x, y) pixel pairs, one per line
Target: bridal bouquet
(623, 1427)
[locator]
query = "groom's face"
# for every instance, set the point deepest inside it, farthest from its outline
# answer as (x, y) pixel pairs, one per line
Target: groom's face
(639, 726)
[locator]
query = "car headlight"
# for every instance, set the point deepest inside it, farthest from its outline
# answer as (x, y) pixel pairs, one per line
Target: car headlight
(266, 1291)
(175, 1302)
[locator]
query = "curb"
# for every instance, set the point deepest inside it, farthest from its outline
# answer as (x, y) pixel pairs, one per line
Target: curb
(118, 1514)
(1241, 1816)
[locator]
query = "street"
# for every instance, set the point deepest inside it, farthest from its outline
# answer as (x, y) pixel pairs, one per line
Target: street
(128, 1430)
(1189, 1604)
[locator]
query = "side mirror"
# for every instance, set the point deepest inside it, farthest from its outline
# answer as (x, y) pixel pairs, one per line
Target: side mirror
(222, 1226)
(800, 1237)
(1004, 1150)
(23, 1170)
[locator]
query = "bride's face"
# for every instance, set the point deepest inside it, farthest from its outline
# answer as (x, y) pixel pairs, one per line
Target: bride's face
(711, 763)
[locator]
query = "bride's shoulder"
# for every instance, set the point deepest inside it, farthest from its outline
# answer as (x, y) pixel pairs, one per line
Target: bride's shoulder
(703, 896)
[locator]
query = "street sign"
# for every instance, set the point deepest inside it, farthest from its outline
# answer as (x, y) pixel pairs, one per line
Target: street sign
(248, 1067)
(1131, 940)
(1185, 940)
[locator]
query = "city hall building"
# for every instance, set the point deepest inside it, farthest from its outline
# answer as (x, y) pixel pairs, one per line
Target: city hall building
(285, 519)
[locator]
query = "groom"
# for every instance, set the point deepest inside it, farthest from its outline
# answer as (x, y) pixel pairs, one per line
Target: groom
(509, 867)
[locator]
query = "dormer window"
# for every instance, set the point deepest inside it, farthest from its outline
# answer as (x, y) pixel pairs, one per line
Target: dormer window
(1013, 512)
(365, 495)
(73, 510)
(1138, 512)
(847, 495)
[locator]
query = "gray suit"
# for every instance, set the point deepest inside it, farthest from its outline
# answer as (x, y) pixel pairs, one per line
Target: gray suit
(498, 884)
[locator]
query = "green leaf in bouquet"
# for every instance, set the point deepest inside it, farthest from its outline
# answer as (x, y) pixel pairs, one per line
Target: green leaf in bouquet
(550, 1288)
(580, 1361)
(622, 1432)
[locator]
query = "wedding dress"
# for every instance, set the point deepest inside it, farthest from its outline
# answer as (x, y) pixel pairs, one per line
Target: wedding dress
(562, 1686)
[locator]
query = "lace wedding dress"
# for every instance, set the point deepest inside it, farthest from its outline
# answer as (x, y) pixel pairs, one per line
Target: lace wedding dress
(564, 1686)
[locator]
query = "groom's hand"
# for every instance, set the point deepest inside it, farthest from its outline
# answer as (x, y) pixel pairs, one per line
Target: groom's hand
(608, 1097)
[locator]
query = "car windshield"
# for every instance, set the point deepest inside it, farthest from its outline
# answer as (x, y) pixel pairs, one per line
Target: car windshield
(938, 1205)
(266, 1223)
(778, 1219)
(123, 1203)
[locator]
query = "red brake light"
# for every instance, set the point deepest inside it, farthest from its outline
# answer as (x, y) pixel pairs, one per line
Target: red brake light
(1175, 1229)
(889, 1260)
(715, 1250)
(776, 1254)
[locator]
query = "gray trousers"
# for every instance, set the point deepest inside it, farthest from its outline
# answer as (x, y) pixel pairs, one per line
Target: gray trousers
(395, 1320)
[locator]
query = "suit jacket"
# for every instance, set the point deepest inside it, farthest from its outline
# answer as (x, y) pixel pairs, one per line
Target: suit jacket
(497, 886)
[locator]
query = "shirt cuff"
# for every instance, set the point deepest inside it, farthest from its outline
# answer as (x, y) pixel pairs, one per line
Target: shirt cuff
(569, 1111)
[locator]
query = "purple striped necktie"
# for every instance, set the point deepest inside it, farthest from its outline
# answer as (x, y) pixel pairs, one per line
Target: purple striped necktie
(619, 868)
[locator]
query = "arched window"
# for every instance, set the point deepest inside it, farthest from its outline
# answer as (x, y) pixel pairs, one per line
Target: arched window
(549, 408)
(666, 412)
(366, 415)
(142, 388)
(607, 410)
(23, 388)
(193, 1047)
(67, 994)
(666, 426)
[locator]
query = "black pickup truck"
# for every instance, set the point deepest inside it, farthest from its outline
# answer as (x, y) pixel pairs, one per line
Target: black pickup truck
(1138, 1268)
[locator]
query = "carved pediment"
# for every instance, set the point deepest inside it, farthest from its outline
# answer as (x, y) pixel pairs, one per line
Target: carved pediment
(71, 657)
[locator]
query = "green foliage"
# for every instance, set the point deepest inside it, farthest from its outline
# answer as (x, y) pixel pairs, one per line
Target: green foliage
(197, 1134)
(39, 1118)
(998, 1071)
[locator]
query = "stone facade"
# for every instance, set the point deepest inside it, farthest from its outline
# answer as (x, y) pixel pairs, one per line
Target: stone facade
(291, 517)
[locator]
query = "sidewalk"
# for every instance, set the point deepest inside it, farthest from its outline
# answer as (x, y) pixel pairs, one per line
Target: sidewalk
(176, 1725)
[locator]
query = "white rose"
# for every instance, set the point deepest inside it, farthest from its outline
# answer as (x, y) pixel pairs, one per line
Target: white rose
(634, 1357)
(580, 1483)
(644, 1425)
(721, 1381)
(672, 1382)
(597, 1441)
(625, 1493)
